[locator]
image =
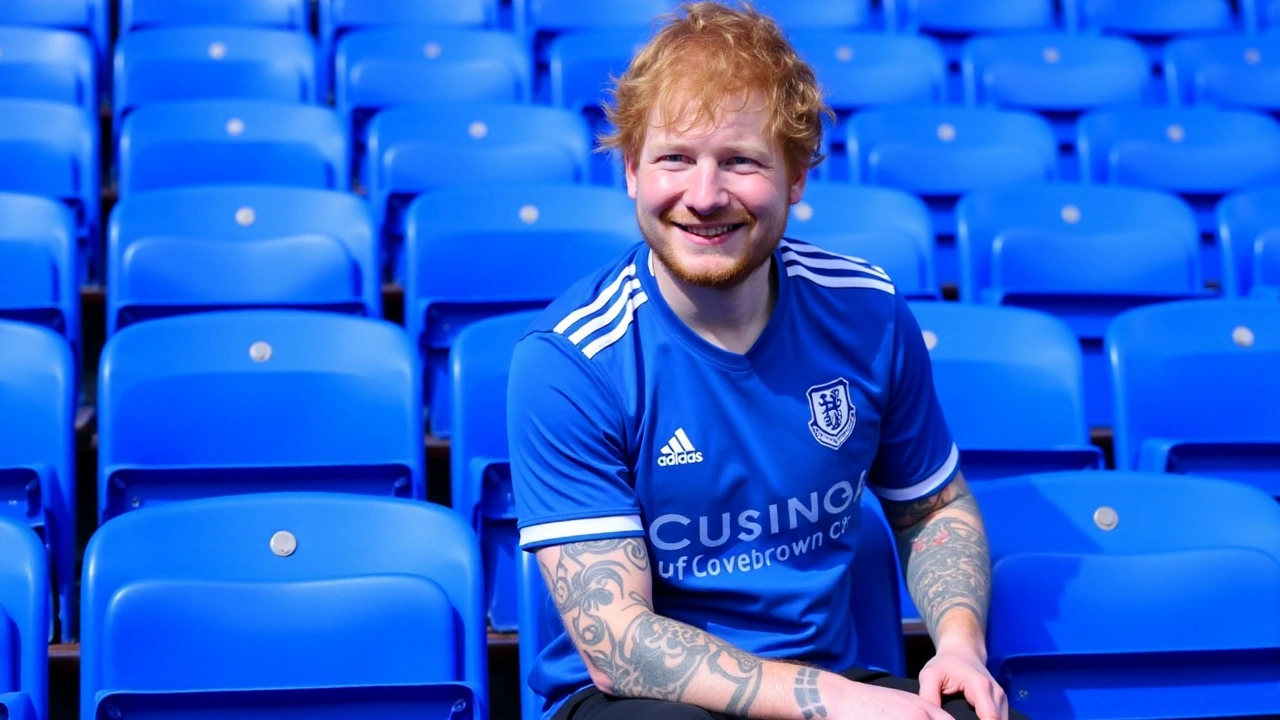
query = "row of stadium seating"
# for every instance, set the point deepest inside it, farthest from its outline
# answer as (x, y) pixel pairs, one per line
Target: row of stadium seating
(239, 401)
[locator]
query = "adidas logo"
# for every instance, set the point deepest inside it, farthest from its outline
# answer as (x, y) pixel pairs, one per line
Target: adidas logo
(678, 451)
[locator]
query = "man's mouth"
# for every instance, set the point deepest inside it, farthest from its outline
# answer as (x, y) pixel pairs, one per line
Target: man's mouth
(709, 231)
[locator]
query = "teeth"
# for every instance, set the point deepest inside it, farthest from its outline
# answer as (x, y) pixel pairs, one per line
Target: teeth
(711, 231)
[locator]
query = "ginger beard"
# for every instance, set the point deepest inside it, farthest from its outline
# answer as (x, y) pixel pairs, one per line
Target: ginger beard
(733, 269)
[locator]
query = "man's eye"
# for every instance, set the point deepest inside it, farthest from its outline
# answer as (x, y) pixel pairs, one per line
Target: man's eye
(741, 161)
(671, 158)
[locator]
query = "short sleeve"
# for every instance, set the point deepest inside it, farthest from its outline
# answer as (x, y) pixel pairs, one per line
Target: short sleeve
(568, 448)
(917, 456)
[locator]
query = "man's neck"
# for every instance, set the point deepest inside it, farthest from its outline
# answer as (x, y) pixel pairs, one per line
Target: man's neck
(730, 319)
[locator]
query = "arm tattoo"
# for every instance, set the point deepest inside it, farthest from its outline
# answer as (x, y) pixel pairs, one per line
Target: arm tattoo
(945, 555)
(807, 695)
(654, 656)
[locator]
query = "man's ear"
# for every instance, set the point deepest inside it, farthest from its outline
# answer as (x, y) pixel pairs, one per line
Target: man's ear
(629, 167)
(796, 190)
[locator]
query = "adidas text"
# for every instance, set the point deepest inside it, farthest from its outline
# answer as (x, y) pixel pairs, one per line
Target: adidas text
(684, 458)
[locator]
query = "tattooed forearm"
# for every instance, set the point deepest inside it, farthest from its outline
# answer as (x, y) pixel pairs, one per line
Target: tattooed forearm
(945, 555)
(807, 695)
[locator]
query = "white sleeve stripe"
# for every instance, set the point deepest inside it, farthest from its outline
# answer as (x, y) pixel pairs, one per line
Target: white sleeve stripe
(570, 529)
(926, 486)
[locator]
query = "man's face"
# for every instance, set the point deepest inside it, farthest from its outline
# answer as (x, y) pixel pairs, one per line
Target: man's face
(712, 200)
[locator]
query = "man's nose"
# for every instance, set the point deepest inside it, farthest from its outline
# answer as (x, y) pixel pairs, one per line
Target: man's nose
(707, 192)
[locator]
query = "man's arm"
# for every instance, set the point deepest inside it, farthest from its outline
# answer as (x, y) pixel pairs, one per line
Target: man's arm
(603, 592)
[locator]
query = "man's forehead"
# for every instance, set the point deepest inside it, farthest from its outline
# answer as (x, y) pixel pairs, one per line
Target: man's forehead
(693, 116)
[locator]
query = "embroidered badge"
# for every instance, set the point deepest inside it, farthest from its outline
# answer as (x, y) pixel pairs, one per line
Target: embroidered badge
(831, 414)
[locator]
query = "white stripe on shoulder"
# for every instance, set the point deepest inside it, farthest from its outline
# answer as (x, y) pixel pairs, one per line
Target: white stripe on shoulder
(615, 334)
(839, 281)
(604, 319)
(927, 486)
(823, 260)
(568, 530)
(600, 301)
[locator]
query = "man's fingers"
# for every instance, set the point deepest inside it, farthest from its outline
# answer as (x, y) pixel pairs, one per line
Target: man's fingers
(983, 696)
(931, 687)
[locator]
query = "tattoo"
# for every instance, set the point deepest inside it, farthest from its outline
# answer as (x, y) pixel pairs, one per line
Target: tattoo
(807, 695)
(654, 656)
(945, 555)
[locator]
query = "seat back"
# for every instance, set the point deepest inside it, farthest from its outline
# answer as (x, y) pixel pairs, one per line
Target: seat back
(867, 69)
(958, 17)
(1247, 222)
(538, 240)
(581, 65)
(47, 64)
(1230, 71)
(37, 453)
(296, 400)
(234, 246)
(888, 228)
(202, 142)
(1154, 20)
(1053, 72)
(542, 20)
(24, 615)
(818, 15)
(38, 280)
(282, 591)
(275, 14)
(87, 17)
(1175, 364)
(203, 62)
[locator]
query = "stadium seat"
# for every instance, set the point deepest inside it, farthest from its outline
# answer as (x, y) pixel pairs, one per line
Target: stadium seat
(1263, 14)
(37, 447)
(51, 149)
(1082, 253)
(1011, 384)
(961, 17)
(46, 64)
(382, 67)
(1199, 153)
(87, 17)
(888, 228)
(197, 63)
(416, 149)
(1249, 231)
(276, 14)
(817, 14)
(537, 240)
(1230, 71)
(240, 246)
(863, 69)
(547, 18)
(38, 282)
(1153, 19)
(24, 619)
(1195, 389)
(203, 142)
(284, 605)
(478, 456)
(243, 401)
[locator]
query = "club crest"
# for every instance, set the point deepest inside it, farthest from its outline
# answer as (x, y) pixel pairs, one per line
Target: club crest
(831, 414)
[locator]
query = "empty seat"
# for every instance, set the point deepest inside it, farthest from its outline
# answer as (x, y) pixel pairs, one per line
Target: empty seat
(284, 605)
(1196, 385)
(87, 17)
(379, 67)
(1229, 71)
(540, 19)
(1154, 19)
(278, 14)
(817, 14)
(537, 241)
(859, 70)
(581, 66)
(247, 401)
(24, 622)
(415, 149)
(37, 467)
(38, 282)
(1011, 384)
(240, 246)
(194, 63)
(958, 17)
(888, 228)
(1249, 231)
(47, 64)
(203, 142)
(51, 149)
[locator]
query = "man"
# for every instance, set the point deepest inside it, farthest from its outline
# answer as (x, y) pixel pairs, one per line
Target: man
(691, 428)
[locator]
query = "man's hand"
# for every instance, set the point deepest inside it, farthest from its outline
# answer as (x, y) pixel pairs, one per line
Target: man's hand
(851, 700)
(955, 671)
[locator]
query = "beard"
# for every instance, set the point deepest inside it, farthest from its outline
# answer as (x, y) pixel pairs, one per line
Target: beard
(753, 254)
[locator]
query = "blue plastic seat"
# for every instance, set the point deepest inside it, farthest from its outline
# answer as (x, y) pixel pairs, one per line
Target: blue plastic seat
(51, 149)
(421, 148)
(1229, 71)
(87, 17)
(244, 401)
(960, 17)
(817, 14)
(284, 605)
(538, 239)
(1200, 153)
(209, 142)
(38, 282)
(37, 450)
(24, 619)
(863, 69)
(478, 456)
(382, 67)
(1154, 19)
(1176, 365)
(277, 14)
(47, 64)
(196, 63)
(888, 228)
(544, 19)
(581, 64)
(1261, 15)
(240, 246)
(1011, 383)
(1249, 231)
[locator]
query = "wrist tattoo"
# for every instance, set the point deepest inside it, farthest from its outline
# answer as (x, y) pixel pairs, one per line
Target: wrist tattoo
(807, 695)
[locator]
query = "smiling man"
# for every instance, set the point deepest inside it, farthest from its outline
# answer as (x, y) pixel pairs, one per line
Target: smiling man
(691, 428)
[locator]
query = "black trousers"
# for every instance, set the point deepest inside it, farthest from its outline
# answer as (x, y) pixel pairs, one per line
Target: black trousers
(591, 704)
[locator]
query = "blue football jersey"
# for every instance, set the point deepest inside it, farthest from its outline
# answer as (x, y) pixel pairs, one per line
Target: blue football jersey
(742, 472)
